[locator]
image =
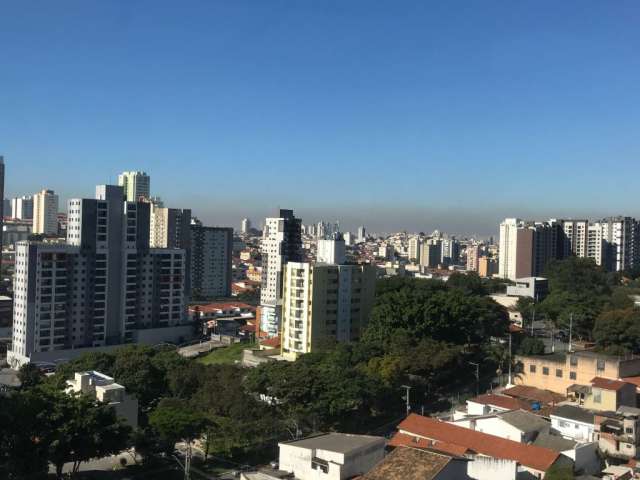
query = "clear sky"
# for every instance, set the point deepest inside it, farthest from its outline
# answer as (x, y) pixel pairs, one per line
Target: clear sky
(397, 114)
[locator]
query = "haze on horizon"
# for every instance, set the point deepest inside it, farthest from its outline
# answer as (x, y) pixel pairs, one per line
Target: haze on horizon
(399, 116)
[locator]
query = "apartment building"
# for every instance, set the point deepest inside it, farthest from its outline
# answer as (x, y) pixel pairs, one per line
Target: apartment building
(473, 257)
(415, 246)
(431, 254)
(210, 264)
(324, 301)
(558, 372)
(45, 212)
(136, 185)
(281, 243)
(22, 207)
(99, 287)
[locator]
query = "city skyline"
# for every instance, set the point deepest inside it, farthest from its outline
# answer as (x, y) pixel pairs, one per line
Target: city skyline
(478, 113)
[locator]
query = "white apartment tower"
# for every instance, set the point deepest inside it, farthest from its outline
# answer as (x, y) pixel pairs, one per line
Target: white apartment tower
(415, 247)
(136, 185)
(100, 287)
(22, 208)
(332, 250)
(245, 226)
(281, 243)
(45, 212)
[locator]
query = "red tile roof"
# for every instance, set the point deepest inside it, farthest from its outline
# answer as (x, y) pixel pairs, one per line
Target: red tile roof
(532, 393)
(501, 401)
(537, 458)
(405, 440)
(634, 380)
(608, 384)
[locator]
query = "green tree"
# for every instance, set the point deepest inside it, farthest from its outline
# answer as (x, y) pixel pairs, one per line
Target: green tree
(175, 420)
(135, 369)
(469, 283)
(81, 430)
(618, 331)
(531, 346)
(30, 376)
(559, 473)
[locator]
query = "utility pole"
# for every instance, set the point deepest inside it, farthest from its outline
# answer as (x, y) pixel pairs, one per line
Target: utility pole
(570, 331)
(477, 365)
(510, 382)
(408, 388)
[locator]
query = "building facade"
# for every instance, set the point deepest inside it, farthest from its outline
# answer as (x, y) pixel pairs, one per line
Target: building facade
(22, 208)
(210, 265)
(324, 301)
(415, 247)
(136, 185)
(100, 286)
(281, 243)
(45, 212)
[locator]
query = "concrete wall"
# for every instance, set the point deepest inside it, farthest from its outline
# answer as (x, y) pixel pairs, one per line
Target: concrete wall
(492, 426)
(581, 432)
(487, 468)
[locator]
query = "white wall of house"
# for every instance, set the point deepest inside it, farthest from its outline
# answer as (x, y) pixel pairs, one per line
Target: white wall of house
(568, 428)
(488, 468)
(474, 408)
(340, 466)
(493, 426)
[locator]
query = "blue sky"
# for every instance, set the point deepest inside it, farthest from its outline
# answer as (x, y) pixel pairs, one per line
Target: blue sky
(396, 114)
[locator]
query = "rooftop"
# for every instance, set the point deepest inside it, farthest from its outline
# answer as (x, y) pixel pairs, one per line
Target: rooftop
(573, 413)
(335, 442)
(535, 394)
(537, 458)
(406, 463)
(608, 384)
(501, 401)
(525, 421)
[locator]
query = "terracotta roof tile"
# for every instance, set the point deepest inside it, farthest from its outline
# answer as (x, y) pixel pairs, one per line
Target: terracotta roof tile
(530, 456)
(405, 440)
(532, 393)
(406, 463)
(608, 384)
(501, 401)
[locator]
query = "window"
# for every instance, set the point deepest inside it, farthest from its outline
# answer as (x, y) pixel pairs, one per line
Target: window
(545, 370)
(558, 372)
(572, 375)
(600, 364)
(597, 396)
(573, 360)
(532, 368)
(628, 430)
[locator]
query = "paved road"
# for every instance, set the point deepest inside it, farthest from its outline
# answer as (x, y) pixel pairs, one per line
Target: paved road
(192, 351)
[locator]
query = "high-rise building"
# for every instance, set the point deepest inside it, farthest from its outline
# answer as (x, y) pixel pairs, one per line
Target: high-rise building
(348, 238)
(487, 267)
(170, 227)
(22, 208)
(211, 248)
(136, 185)
(450, 254)
(415, 247)
(101, 287)
(473, 257)
(431, 253)
(613, 243)
(246, 226)
(45, 212)
(281, 243)
(324, 301)
(362, 234)
(331, 250)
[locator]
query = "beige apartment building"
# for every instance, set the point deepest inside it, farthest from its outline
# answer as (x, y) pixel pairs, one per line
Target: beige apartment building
(558, 372)
(324, 301)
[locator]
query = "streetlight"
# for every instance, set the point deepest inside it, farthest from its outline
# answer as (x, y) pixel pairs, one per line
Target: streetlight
(407, 398)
